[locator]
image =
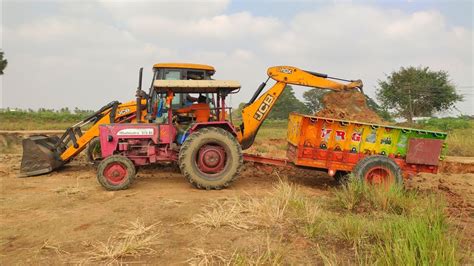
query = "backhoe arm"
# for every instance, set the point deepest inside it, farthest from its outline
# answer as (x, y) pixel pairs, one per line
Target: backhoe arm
(296, 76)
(257, 110)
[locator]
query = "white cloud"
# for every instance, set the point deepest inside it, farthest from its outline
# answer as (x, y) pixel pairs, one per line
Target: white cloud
(179, 9)
(416, 23)
(219, 32)
(102, 52)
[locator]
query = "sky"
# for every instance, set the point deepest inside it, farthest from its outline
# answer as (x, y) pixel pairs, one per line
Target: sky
(87, 53)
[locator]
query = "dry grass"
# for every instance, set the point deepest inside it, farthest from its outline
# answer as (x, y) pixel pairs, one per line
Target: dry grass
(136, 239)
(202, 257)
(222, 213)
(330, 258)
(283, 205)
(460, 142)
(270, 252)
(54, 247)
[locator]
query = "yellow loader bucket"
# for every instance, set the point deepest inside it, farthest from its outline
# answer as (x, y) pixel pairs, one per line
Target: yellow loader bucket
(40, 155)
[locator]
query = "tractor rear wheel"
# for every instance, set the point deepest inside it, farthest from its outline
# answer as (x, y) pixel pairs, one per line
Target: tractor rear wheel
(116, 172)
(94, 153)
(378, 170)
(210, 158)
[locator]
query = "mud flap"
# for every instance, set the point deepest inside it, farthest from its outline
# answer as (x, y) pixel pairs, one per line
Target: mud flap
(40, 156)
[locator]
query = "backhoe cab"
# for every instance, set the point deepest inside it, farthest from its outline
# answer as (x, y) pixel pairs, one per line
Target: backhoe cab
(156, 98)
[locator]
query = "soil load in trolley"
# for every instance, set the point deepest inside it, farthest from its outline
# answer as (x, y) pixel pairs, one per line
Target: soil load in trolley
(348, 105)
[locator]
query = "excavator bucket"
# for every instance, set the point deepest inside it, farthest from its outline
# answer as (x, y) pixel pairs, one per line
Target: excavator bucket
(40, 155)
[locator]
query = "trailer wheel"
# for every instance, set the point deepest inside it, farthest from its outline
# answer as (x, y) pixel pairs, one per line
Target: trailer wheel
(94, 153)
(116, 172)
(378, 170)
(210, 158)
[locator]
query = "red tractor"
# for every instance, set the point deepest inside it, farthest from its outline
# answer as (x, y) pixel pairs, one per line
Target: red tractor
(206, 149)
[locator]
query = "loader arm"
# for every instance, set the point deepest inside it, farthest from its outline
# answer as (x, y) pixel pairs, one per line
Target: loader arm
(125, 112)
(43, 154)
(257, 110)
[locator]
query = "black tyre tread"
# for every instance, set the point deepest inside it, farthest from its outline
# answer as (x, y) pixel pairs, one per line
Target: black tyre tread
(114, 158)
(361, 166)
(95, 141)
(187, 169)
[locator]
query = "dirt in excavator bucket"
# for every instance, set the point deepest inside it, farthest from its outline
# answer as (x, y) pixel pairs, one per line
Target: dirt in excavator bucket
(39, 156)
(348, 105)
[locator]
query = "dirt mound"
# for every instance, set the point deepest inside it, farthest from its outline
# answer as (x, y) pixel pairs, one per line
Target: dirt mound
(459, 165)
(348, 105)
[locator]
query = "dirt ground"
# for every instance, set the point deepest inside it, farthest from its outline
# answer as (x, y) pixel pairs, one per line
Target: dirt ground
(63, 215)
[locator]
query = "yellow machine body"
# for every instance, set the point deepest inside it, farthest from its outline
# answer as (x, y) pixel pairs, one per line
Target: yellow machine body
(257, 110)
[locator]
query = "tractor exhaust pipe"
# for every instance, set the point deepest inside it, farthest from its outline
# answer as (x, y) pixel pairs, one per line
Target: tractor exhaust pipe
(139, 96)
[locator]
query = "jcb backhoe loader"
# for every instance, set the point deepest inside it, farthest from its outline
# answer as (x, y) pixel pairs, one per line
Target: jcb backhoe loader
(42, 154)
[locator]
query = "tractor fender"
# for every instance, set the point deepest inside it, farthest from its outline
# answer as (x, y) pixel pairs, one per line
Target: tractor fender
(226, 125)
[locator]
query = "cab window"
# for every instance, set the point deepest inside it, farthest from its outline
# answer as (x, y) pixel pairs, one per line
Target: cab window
(172, 75)
(195, 75)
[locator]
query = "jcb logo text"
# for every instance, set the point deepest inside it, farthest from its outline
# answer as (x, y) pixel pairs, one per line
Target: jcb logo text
(264, 107)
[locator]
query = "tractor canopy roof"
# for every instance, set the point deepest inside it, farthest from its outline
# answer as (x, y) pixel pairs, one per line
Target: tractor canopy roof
(196, 86)
(184, 66)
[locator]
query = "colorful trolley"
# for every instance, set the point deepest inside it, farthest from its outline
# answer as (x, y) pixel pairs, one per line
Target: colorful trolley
(373, 152)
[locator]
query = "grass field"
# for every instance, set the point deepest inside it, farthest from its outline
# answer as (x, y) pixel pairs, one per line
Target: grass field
(24, 120)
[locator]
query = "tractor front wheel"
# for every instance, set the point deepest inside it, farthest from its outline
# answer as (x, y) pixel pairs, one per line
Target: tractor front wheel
(94, 152)
(378, 169)
(210, 158)
(116, 172)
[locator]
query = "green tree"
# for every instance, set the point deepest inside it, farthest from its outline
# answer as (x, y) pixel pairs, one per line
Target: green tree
(237, 112)
(417, 91)
(64, 110)
(313, 99)
(3, 63)
(83, 112)
(286, 104)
